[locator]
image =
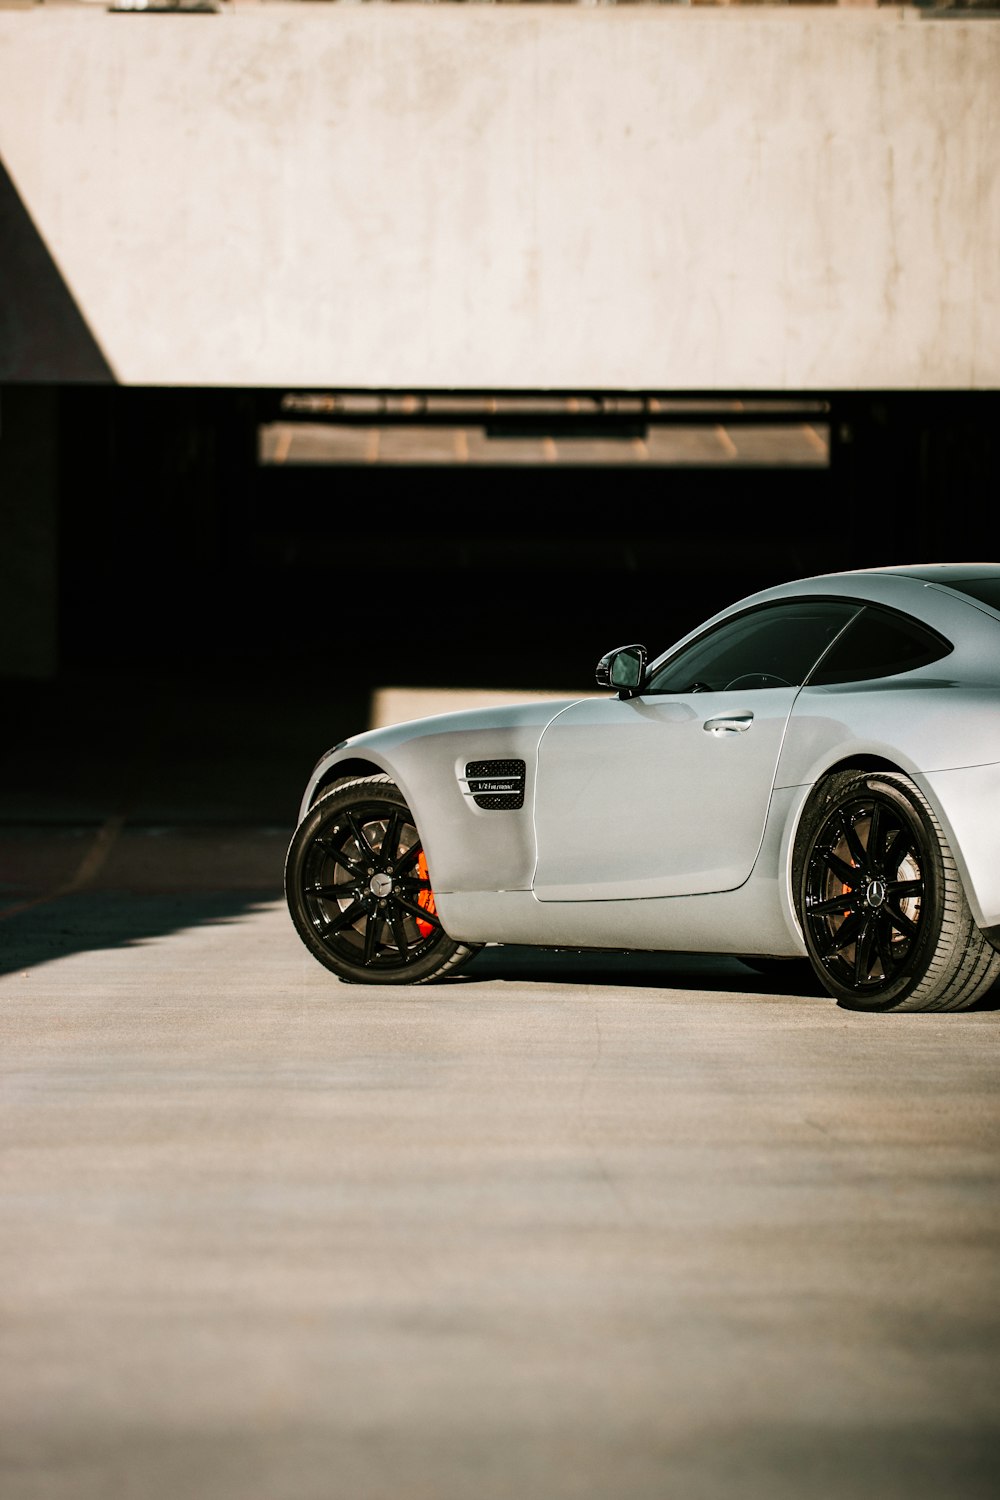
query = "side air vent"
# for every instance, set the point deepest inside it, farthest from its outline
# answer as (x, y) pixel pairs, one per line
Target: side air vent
(496, 784)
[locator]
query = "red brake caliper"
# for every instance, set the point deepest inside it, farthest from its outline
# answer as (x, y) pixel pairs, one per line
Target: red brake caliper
(425, 898)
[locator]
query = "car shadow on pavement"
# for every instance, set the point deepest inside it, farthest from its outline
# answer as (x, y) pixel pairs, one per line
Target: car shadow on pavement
(68, 889)
(681, 971)
(45, 930)
(677, 971)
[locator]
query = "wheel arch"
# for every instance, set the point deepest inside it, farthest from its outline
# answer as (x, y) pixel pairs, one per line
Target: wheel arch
(861, 763)
(869, 762)
(344, 770)
(802, 795)
(854, 762)
(350, 768)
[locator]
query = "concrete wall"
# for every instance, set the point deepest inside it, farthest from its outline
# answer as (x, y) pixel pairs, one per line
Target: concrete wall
(532, 197)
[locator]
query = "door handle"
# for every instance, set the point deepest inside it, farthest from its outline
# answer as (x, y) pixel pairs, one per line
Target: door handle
(729, 724)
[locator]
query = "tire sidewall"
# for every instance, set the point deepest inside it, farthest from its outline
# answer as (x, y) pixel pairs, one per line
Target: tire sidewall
(376, 790)
(840, 790)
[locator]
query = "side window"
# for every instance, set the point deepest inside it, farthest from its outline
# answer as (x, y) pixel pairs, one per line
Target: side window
(879, 644)
(774, 646)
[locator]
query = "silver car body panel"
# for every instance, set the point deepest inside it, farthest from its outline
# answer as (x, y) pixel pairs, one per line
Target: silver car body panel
(655, 796)
(755, 918)
(467, 847)
(602, 858)
(967, 802)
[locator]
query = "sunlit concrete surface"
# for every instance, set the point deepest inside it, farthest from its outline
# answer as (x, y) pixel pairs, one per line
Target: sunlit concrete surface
(567, 1227)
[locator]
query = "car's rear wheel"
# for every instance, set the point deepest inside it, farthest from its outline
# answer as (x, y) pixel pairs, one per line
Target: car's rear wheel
(884, 916)
(359, 891)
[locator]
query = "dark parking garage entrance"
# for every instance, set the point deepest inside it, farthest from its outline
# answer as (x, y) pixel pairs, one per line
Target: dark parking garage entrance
(503, 539)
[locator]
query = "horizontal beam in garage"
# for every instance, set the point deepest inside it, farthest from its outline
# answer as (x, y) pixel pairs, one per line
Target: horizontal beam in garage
(526, 428)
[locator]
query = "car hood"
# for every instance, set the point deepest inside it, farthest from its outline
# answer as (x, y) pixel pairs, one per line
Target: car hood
(528, 715)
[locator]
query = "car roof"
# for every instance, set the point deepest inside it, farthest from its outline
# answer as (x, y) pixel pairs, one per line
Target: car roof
(896, 586)
(944, 573)
(861, 581)
(932, 592)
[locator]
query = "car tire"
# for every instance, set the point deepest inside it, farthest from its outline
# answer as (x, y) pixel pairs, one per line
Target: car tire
(884, 915)
(358, 891)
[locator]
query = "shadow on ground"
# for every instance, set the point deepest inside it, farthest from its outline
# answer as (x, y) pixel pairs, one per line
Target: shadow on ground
(675, 971)
(37, 932)
(88, 922)
(41, 930)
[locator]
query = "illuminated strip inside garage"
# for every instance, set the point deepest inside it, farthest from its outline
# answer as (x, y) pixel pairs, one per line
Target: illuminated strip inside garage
(592, 430)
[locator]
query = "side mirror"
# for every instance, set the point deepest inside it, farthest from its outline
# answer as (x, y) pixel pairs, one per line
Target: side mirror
(624, 669)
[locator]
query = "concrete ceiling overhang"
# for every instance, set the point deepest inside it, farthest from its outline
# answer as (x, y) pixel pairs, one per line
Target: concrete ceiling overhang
(522, 197)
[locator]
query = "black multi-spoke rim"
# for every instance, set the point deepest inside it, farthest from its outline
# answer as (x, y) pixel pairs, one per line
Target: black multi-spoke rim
(366, 889)
(864, 894)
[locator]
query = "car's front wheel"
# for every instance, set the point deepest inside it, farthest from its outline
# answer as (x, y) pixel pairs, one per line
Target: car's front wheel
(884, 916)
(359, 891)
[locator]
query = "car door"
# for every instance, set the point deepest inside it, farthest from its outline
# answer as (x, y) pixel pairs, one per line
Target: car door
(666, 793)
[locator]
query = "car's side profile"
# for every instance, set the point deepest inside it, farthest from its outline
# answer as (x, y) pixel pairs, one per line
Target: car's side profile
(814, 772)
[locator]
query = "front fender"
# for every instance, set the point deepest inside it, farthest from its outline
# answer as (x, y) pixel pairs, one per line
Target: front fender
(468, 847)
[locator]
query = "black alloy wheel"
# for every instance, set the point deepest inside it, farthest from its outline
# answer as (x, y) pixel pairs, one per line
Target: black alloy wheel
(359, 891)
(884, 916)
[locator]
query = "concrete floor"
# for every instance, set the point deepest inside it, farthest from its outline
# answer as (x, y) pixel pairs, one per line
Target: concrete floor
(562, 1228)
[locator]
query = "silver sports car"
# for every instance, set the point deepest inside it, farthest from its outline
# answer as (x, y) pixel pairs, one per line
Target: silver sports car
(813, 773)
